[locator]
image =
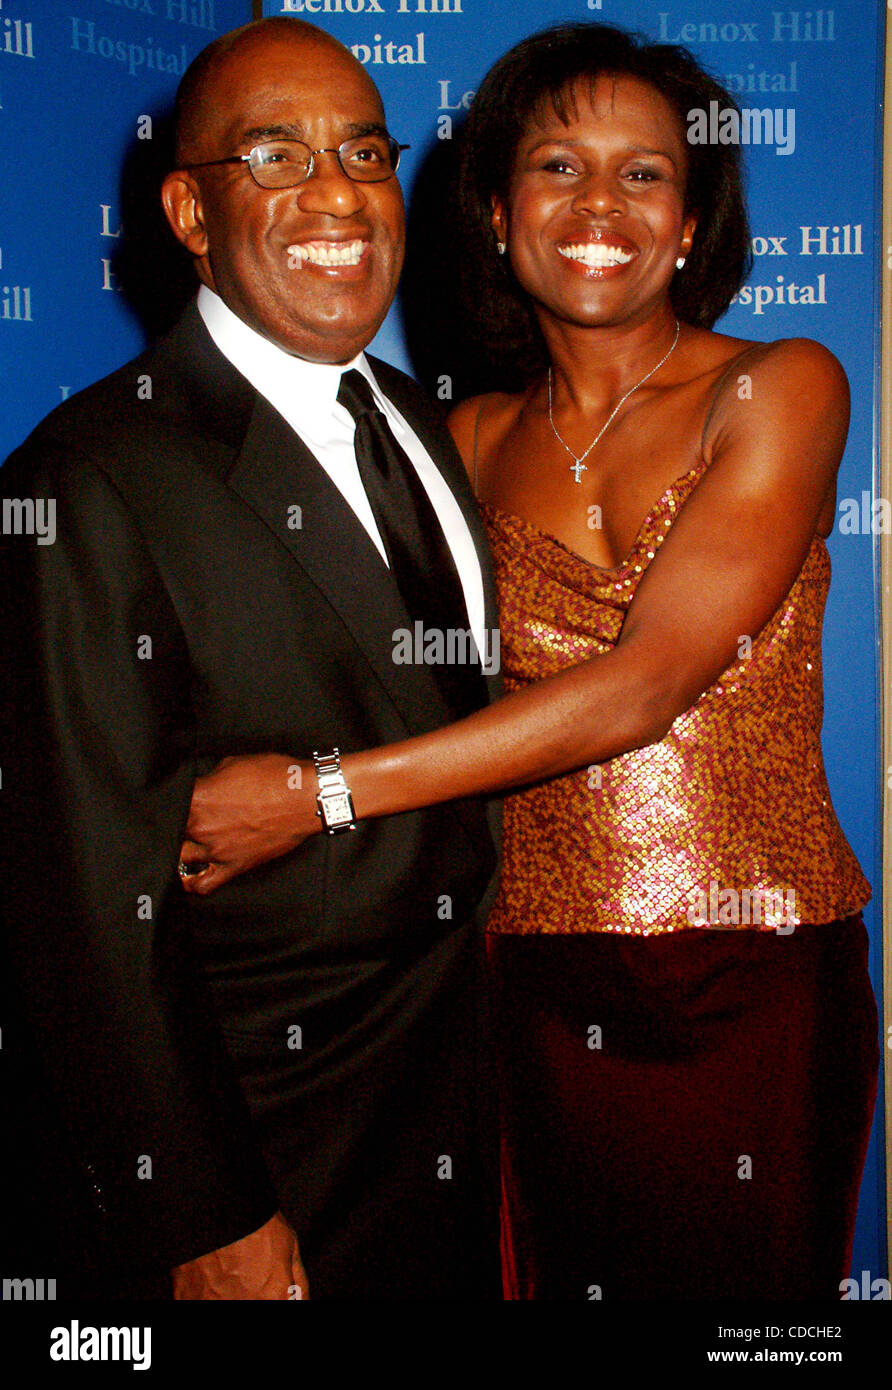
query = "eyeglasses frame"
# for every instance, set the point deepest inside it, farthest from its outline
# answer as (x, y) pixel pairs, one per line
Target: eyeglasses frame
(333, 149)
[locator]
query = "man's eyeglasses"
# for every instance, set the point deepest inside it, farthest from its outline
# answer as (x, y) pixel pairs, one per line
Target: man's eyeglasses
(286, 163)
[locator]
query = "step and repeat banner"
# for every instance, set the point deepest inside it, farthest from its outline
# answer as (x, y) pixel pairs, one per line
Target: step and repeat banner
(87, 272)
(86, 89)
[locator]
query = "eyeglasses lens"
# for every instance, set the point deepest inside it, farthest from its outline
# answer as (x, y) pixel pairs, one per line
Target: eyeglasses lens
(284, 163)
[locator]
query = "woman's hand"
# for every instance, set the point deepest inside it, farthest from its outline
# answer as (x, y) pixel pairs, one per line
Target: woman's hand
(246, 811)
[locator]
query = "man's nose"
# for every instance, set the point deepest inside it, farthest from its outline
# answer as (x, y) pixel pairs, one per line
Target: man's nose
(328, 189)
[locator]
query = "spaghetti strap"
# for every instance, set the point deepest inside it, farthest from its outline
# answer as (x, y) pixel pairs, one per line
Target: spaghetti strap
(477, 424)
(474, 457)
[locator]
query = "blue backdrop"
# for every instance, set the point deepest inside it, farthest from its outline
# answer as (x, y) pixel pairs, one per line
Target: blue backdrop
(84, 88)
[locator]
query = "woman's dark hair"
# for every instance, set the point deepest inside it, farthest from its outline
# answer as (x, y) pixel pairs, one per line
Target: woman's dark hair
(539, 74)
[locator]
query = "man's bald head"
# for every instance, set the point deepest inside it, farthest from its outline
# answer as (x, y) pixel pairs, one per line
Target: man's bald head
(195, 111)
(312, 266)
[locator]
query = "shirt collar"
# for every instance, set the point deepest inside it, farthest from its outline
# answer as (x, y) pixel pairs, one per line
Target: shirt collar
(279, 375)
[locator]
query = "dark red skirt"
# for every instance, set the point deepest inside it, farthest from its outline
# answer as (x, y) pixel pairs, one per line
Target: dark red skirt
(684, 1116)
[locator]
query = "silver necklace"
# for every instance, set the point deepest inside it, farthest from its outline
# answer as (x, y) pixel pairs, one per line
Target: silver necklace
(577, 466)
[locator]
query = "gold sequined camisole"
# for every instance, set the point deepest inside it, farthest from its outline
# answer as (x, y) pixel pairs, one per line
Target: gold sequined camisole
(727, 822)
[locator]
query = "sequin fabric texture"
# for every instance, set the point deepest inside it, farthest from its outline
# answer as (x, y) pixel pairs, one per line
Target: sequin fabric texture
(725, 823)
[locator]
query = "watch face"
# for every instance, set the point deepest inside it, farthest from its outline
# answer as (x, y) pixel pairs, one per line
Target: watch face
(338, 808)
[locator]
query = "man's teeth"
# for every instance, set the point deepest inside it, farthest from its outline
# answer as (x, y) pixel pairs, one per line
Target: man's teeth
(596, 253)
(326, 252)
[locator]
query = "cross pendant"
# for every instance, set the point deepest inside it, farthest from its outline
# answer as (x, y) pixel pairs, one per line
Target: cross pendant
(578, 468)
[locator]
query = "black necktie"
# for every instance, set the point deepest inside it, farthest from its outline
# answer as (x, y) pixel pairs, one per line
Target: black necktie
(419, 556)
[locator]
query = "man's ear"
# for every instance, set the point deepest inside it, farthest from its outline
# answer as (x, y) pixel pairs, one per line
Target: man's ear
(181, 200)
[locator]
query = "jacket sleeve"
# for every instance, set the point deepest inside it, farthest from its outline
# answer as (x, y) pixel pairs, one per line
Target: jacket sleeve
(97, 770)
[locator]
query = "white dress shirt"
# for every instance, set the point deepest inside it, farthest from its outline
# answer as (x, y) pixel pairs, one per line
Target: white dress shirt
(305, 395)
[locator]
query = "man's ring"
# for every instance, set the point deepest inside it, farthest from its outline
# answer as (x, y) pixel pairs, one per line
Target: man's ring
(190, 870)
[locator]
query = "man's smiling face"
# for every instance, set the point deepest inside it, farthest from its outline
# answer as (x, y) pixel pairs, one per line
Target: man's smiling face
(314, 268)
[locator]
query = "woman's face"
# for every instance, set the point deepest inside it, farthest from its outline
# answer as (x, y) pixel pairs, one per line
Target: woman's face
(594, 219)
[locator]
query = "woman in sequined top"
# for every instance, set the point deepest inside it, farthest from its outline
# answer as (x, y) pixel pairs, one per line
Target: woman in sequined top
(677, 947)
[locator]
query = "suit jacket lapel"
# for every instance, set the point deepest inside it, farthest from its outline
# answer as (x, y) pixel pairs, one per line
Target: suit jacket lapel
(275, 472)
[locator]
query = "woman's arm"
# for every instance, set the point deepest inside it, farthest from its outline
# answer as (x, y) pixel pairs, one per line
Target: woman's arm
(729, 560)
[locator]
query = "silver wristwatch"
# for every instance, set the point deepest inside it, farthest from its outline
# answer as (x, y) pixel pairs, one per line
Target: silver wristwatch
(334, 800)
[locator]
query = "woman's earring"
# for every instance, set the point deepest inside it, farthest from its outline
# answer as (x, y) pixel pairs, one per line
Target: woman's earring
(679, 264)
(501, 247)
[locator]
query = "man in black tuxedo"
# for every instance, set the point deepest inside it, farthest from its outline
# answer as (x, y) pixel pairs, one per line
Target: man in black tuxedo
(223, 580)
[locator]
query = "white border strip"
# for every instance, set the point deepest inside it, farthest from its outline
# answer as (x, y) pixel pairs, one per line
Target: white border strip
(885, 557)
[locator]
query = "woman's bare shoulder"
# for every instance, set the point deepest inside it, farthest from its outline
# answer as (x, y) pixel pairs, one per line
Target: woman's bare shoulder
(754, 387)
(785, 405)
(796, 359)
(794, 373)
(804, 362)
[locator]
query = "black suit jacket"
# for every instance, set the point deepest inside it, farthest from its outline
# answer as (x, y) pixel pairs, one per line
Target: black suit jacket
(180, 616)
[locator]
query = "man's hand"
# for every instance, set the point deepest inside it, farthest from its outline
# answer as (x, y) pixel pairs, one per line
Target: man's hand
(245, 812)
(263, 1265)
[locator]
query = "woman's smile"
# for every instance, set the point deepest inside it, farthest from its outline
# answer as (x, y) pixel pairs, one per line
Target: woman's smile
(598, 253)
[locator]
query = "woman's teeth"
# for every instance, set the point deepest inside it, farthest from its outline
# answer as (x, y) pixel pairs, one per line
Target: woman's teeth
(596, 253)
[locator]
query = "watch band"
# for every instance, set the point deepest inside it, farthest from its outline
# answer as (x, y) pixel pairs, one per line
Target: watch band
(333, 800)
